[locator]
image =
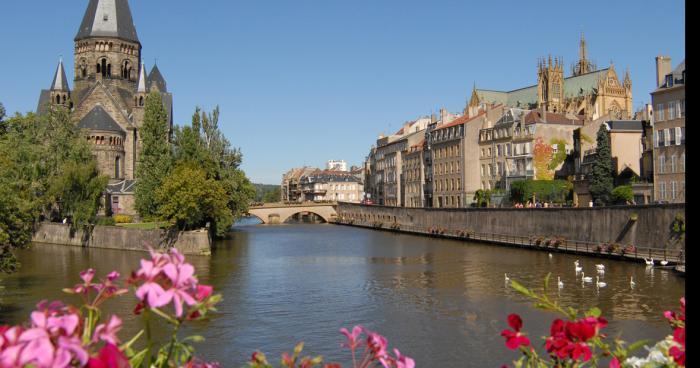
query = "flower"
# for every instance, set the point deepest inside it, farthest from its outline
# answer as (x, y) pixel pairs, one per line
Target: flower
(352, 341)
(514, 338)
(108, 332)
(109, 357)
(403, 361)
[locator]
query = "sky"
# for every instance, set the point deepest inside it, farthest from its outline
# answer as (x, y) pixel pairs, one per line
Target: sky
(305, 81)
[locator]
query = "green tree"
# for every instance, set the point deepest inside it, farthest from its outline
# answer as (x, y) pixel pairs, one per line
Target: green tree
(155, 160)
(482, 197)
(272, 196)
(601, 179)
(189, 199)
(622, 194)
(46, 171)
(556, 191)
(2, 116)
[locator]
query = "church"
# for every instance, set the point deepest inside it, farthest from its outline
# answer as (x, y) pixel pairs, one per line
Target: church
(110, 85)
(589, 92)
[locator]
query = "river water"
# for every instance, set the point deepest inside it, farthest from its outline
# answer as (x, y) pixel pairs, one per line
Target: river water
(442, 302)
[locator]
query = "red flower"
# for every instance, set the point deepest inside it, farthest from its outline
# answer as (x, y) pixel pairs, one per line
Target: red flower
(614, 363)
(110, 357)
(514, 339)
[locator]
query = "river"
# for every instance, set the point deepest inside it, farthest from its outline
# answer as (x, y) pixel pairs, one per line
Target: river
(442, 302)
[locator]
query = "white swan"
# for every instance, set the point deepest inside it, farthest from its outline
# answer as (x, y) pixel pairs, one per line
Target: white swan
(600, 266)
(559, 283)
(576, 262)
(586, 279)
(601, 271)
(632, 283)
(664, 262)
(578, 268)
(649, 262)
(507, 278)
(550, 255)
(598, 283)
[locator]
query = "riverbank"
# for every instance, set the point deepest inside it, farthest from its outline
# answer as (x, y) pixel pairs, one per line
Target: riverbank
(196, 242)
(626, 232)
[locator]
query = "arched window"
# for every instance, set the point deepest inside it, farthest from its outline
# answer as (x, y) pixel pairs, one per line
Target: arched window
(103, 68)
(141, 101)
(64, 98)
(117, 168)
(58, 99)
(109, 70)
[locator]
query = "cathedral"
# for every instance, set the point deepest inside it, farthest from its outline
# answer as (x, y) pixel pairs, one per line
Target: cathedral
(110, 86)
(589, 92)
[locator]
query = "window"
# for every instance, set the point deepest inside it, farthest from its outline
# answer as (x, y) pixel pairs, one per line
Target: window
(671, 110)
(660, 112)
(673, 163)
(667, 141)
(681, 108)
(662, 190)
(662, 163)
(672, 137)
(679, 135)
(661, 138)
(656, 139)
(673, 190)
(683, 162)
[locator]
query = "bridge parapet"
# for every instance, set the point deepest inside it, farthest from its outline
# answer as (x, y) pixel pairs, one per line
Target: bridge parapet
(272, 213)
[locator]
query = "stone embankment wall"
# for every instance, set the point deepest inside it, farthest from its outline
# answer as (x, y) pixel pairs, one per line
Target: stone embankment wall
(115, 237)
(652, 228)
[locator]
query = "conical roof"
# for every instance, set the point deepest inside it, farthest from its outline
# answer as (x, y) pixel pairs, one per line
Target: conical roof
(60, 82)
(156, 78)
(142, 80)
(99, 119)
(108, 18)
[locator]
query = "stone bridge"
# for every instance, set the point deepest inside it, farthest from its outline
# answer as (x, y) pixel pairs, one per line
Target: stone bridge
(277, 213)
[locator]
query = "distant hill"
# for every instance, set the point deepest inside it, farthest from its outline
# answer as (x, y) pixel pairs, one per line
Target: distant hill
(271, 190)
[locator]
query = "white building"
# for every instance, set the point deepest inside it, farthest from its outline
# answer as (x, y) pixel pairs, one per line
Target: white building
(336, 165)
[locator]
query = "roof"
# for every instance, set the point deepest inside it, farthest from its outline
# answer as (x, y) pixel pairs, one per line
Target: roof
(678, 77)
(99, 119)
(108, 18)
(155, 77)
(122, 187)
(460, 120)
(326, 176)
(527, 96)
(60, 82)
(44, 100)
(625, 125)
(537, 117)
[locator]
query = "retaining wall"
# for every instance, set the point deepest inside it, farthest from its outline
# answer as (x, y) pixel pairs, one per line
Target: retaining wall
(652, 229)
(115, 237)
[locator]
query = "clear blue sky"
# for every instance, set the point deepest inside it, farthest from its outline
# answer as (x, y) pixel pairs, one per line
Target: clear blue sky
(300, 82)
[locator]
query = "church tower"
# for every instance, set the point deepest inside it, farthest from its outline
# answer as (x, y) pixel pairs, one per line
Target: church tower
(107, 47)
(550, 85)
(583, 65)
(60, 92)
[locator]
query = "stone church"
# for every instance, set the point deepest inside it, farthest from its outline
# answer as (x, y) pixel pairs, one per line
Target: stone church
(110, 86)
(589, 92)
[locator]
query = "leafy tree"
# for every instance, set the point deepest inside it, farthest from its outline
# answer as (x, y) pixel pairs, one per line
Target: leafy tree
(556, 191)
(482, 197)
(46, 171)
(188, 199)
(155, 160)
(272, 195)
(541, 157)
(623, 194)
(601, 180)
(2, 116)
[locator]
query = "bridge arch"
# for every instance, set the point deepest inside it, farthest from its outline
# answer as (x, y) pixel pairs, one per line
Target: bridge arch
(292, 213)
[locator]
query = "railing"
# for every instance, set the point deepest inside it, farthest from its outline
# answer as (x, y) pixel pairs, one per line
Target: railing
(567, 246)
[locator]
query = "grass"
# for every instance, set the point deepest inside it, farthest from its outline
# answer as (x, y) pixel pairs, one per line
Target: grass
(146, 225)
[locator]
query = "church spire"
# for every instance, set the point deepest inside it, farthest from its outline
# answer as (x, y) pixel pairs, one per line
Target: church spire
(108, 18)
(142, 79)
(583, 65)
(582, 48)
(60, 83)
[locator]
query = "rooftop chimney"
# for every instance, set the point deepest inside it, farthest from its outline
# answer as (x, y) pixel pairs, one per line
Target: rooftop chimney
(663, 67)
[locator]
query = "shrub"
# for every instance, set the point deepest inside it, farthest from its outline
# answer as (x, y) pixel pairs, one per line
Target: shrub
(105, 221)
(622, 194)
(556, 191)
(123, 219)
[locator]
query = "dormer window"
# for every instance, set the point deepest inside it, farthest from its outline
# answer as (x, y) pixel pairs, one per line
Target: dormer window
(669, 80)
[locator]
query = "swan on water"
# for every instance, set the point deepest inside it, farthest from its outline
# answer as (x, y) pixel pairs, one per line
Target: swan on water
(649, 262)
(586, 279)
(632, 283)
(598, 283)
(559, 283)
(507, 278)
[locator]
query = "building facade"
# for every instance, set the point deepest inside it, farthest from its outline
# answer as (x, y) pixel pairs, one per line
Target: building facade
(110, 85)
(668, 102)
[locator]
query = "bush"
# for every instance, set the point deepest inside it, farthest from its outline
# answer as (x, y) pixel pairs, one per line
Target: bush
(105, 221)
(622, 194)
(556, 191)
(123, 219)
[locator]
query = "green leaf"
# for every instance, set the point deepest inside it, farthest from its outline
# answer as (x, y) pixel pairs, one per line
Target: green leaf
(546, 281)
(594, 312)
(520, 288)
(636, 345)
(127, 345)
(137, 360)
(194, 338)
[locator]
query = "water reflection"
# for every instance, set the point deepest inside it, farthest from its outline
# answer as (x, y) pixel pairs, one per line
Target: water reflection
(440, 301)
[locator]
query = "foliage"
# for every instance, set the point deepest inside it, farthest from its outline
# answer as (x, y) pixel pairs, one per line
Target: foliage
(2, 116)
(155, 159)
(556, 191)
(579, 341)
(559, 156)
(105, 221)
(168, 292)
(46, 171)
(482, 197)
(272, 196)
(123, 219)
(189, 199)
(601, 179)
(203, 145)
(261, 191)
(623, 194)
(541, 157)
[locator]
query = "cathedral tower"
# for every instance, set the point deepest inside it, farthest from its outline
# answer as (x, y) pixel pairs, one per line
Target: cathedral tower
(550, 84)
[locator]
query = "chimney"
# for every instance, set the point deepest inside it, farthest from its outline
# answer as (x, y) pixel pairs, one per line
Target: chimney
(433, 118)
(663, 67)
(443, 114)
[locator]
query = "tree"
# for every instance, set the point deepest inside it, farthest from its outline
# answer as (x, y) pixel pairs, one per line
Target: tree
(601, 180)
(482, 197)
(188, 199)
(2, 116)
(556, 191)
(272, 196)
(155, 160)
(623, 194)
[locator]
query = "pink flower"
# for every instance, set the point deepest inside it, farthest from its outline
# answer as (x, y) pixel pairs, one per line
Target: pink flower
(514, 339)
(108, 332)
(203, 292)
(352, 341)
(614, 363)
(403, 361)
(153, 294)
(87, 275)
